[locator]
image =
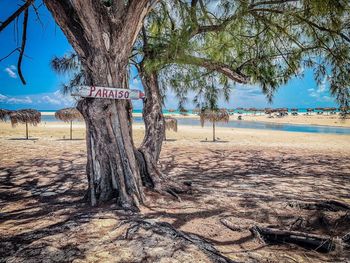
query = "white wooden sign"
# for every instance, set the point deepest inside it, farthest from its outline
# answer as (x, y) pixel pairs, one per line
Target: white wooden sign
(107, 93)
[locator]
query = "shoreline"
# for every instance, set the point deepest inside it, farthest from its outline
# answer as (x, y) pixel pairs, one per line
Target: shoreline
(312, 120)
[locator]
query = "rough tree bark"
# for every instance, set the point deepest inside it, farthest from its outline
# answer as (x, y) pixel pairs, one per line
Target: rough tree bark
(148, 153)
(152, 115)
(103, 37)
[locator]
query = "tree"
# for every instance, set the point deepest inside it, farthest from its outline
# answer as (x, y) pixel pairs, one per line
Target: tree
(187, 44)
(102, 33)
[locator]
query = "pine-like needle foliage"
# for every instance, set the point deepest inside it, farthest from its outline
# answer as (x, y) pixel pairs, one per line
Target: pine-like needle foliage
(265, 43)
(69, 64)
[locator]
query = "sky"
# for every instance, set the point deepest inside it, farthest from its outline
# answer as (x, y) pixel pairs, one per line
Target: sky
(45, 40)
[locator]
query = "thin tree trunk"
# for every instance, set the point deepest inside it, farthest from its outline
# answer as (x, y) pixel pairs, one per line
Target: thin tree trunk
(27, 135)
(148, 153)
(152, 115)
(71, 137)
(214, 131)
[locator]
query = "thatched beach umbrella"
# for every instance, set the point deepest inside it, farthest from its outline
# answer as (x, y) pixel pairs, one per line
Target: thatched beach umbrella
(196, 111)
(309, 110)
(254, 110)
(294, 111)
(183, 111)
(170, 124)
(329, 110)
(4, 114)
(27, 116)
(282, 111)
(69, 115)
(269, 111)
(319, 110)
(214, 116)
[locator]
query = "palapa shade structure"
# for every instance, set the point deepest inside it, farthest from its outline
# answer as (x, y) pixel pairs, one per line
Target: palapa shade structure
(254, 110)
(309, 110)
(26, 116)
(196, 111)
(69, 115)
(170, 124)
(4, 114)
(214, 116)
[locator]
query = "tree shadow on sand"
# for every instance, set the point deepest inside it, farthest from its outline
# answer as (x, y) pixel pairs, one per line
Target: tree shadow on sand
(43, 213)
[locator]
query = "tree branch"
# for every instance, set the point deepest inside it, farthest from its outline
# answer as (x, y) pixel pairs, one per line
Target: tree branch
(15, 14)
(66, 17)
(222, 68)
(23, 46)
(9, 54)
(272, 2)
(310, 23)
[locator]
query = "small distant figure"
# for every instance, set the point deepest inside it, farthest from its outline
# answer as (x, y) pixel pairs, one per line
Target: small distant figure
(239, 117)
(206, 138)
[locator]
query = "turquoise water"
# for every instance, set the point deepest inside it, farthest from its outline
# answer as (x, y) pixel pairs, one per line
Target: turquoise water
(300, 110)
(248, 125)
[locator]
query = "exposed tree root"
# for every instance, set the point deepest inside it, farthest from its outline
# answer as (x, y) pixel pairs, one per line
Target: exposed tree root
(231, 226)
(156, 180)
(327, 205)
(166, 229)
(309, 241)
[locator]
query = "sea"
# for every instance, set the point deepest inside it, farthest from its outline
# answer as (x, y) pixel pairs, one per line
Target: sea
(239, 124)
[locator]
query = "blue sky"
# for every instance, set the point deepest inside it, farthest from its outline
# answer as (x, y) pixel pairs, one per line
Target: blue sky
(43, 86)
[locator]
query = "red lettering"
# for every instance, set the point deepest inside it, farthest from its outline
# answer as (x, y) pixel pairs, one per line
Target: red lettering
(104, 93)
(92, 89)
(98, 93)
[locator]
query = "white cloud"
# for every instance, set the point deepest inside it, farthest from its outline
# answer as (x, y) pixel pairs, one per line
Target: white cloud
(2, 97)
(43, 100)
(50, 100)
(320, 93)
(11, 71)
(15, 100)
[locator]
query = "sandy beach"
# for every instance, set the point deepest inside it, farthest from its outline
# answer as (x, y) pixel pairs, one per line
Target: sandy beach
(247, 178)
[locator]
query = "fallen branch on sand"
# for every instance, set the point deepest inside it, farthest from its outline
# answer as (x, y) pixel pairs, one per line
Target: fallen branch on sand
(231, 226)
(346, 238)
(309, 241)
(328, 205)
(166, 229)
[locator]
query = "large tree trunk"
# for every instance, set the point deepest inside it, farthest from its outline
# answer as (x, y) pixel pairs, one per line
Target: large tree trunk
(111, 165)
(103, 37)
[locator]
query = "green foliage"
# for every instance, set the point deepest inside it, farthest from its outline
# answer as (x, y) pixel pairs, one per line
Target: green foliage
(268, 41)
(69, 64)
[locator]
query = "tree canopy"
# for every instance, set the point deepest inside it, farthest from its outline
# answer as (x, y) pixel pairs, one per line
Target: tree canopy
(196, 44)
